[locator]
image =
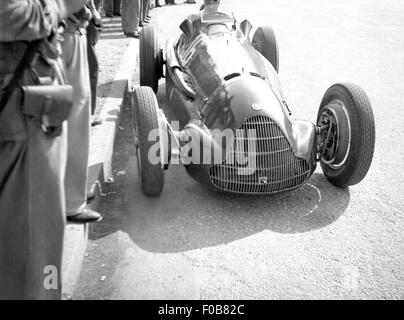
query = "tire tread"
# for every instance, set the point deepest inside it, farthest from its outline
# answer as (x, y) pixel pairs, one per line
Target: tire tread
(148, 58)
(146, 119)
(270, 50)
(362, 135)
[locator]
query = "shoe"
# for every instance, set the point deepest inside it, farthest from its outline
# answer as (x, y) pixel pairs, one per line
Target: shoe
(95, 120)
(158, 5)
(117, 14)
(132, 34)
(85, 216)
(109, 15)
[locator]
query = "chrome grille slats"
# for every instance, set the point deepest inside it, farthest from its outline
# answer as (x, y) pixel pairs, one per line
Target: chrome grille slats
(276, 167)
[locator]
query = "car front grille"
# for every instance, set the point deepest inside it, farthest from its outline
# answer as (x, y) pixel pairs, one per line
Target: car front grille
(271, 167)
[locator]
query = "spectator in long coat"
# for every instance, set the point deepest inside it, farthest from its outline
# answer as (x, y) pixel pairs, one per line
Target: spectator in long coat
(32, 162)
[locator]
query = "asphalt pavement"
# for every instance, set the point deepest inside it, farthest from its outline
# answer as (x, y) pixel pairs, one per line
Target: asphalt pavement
(317, 242)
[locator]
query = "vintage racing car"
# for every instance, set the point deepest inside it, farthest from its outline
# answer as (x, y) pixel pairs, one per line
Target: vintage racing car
(218, 80)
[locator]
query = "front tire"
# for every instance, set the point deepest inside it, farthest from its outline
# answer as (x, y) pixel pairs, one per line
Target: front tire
(346, 148)
(264, 41)
(151, 68)
(145, 120)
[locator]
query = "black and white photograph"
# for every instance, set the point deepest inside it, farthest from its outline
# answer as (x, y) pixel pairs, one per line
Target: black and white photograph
(220, 151)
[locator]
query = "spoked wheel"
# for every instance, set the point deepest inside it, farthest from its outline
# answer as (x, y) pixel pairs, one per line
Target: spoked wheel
(264, 41)
(145, 120)
(151, 61)
(347, 134)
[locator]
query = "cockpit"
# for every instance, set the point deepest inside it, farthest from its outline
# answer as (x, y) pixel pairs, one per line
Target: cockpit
(217, 29)
(216, 17)
(211, 23)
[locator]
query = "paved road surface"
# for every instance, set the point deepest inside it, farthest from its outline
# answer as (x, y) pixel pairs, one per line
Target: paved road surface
(316, 242)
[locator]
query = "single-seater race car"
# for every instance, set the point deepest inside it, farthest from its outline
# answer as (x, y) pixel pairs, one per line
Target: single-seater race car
(234, 130)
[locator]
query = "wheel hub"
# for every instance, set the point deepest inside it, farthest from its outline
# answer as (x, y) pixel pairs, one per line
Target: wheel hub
(328, 137)
(333, 140)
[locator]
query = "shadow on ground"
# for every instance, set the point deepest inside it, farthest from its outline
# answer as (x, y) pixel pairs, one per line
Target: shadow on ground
(188, 216)
(104, 89)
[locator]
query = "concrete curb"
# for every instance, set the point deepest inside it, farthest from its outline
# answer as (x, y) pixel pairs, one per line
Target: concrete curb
(100, 170)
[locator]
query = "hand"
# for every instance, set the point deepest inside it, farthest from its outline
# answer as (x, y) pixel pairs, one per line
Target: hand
(82, 17)
(97, 18)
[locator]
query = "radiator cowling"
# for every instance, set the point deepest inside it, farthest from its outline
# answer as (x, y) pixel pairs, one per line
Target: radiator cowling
(260, 161)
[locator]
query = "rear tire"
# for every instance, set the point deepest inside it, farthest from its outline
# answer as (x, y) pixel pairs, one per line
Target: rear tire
(264, 41)
(347, 156)
(150, 59)
(145, 119)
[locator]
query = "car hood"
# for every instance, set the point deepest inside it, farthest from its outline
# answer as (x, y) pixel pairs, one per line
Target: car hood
(213, 60)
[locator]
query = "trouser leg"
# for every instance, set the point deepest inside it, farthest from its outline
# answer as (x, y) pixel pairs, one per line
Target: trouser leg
(76, 60)
(77, 156)
(32, 210)
(143, 10)
(117, 7)
(130, 15)
(93, 67)
(47, 172)
(147, 8)
(108, 7)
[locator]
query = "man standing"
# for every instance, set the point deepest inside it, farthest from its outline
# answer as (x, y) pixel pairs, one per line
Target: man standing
(74, 47)
(131, 16)
(32, 166)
